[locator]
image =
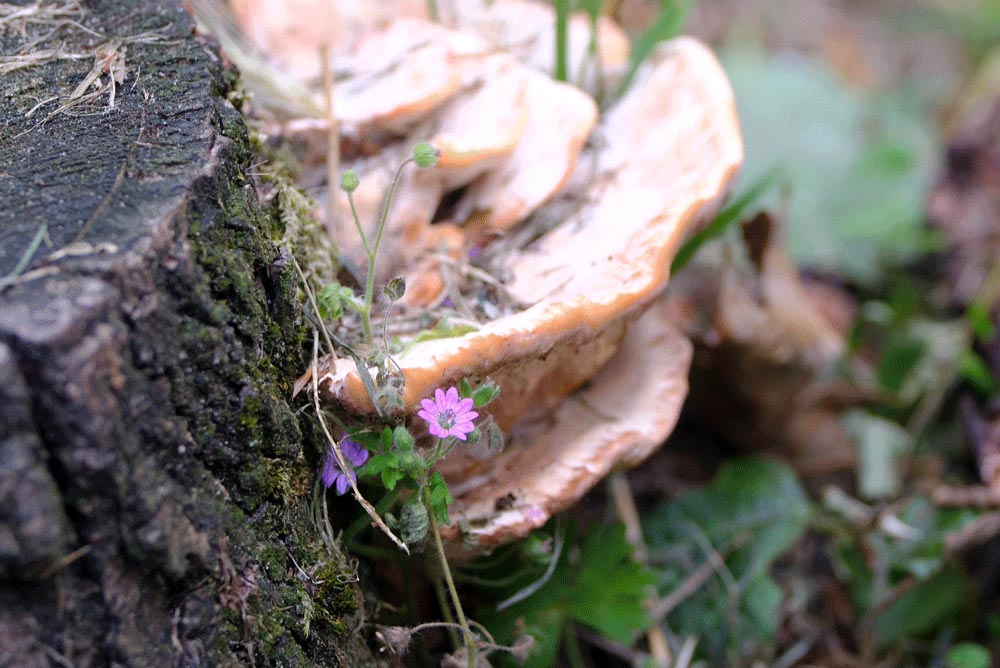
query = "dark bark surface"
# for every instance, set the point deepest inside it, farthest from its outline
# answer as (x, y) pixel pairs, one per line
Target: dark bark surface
(155, 483)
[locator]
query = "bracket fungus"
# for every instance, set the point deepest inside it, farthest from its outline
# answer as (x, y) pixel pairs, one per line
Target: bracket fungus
(660, 161)
(567, 217)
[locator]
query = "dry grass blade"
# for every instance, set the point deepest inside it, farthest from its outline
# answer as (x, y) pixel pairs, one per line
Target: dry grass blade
(341, 461)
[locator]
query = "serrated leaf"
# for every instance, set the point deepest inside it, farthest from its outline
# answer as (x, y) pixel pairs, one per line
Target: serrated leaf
(390, 477)
(752, 512)
(378, 463)
(605, 590)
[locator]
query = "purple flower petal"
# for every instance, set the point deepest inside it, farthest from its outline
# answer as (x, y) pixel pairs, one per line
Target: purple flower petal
(333, 475)
(439, 398)
(343, 482)
(330, 469)
(354, 452)
(451, 397)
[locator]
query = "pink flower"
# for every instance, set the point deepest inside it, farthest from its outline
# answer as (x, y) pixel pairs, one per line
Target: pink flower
(355, 454)
(447, 415)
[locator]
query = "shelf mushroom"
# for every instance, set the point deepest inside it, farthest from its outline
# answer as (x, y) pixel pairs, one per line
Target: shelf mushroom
(664, 157)
(589, 212)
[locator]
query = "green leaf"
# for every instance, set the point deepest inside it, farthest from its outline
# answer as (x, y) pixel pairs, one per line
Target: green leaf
(968, 655)
(331, 307)
(974, 370)
(610, 588)
(442, 330)
(485, 393)
(734, 211)
(413, 521)
(981, 322)
(440, 498)
(604, 590)
(667, 25)
(390, 477)
(464, 388)
(899, 357)
(942, 600)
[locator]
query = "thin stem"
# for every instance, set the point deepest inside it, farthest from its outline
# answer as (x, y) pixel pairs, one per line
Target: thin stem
(341, 461)
(470, 645)
(364, 520)
(357, 223)
(442, 597)
(562, 37)
(366, 318)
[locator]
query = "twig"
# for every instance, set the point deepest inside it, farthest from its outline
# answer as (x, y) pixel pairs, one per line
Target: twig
(332, 143)
(966, 497)
(66, 561)
(686, 653)
(624, 502)
(976, 532)
(692, 583)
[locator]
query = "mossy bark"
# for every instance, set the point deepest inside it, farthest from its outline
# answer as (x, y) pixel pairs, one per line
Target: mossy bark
(155, 479)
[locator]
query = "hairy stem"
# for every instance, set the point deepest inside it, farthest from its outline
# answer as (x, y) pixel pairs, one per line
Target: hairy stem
(366, 315)
(470, 643)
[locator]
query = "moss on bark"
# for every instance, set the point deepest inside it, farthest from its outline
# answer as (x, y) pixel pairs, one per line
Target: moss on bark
(163, 512)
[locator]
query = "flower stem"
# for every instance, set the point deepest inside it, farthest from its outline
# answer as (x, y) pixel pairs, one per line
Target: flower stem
(366, 314)
(357, 223)
(470, 644)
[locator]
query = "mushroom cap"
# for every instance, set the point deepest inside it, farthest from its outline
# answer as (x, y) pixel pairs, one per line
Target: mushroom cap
(625, 412)
(480, 127)
(589, 277)
(403, 72)
(561, 119)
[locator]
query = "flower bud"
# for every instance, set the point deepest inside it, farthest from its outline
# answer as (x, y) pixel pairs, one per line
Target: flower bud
(425, 155)
(349, 181)
(395, 288)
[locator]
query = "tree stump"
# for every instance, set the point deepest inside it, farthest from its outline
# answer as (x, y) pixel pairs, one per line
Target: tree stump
(156, 504)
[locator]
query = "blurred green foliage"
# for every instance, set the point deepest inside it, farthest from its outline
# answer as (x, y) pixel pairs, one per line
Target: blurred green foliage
(900, 574)
(752, 512)
(595, 583)
(854, 165)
